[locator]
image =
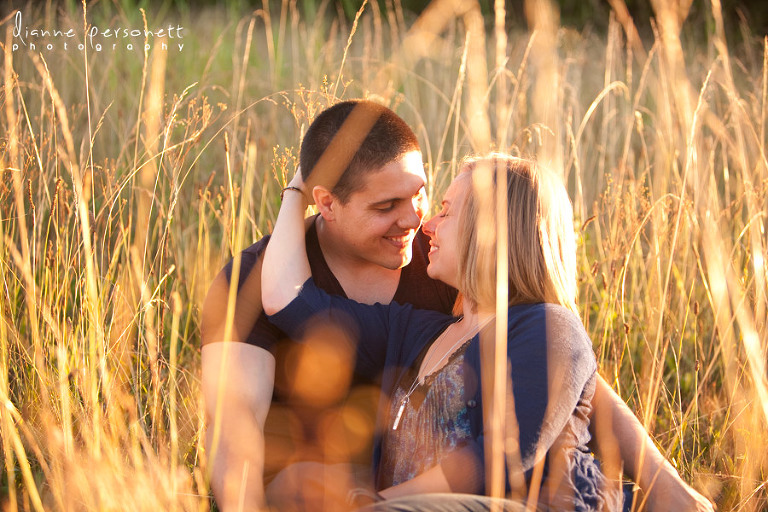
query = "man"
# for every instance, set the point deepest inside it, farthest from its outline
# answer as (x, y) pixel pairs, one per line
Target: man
(365, 244)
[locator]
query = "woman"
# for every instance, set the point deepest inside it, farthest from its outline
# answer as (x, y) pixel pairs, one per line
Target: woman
(431, 425)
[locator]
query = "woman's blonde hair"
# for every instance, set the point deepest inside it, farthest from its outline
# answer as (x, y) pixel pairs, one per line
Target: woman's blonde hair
(540, 235)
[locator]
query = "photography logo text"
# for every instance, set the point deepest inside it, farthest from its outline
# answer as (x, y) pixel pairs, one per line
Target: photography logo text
(94, 38)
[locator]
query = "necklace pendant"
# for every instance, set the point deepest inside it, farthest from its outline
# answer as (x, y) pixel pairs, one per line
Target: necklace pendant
(399, 415)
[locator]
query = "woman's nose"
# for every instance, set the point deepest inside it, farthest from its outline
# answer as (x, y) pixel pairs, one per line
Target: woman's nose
(429, 227)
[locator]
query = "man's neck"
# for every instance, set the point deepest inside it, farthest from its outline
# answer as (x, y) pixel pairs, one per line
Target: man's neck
(361, 280)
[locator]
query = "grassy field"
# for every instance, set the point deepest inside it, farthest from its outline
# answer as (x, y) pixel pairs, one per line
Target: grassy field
(130, 176)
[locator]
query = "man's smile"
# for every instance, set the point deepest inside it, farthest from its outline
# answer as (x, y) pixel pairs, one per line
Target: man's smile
(401, 241)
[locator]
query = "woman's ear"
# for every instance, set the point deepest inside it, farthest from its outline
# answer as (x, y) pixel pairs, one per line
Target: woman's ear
(325, 202)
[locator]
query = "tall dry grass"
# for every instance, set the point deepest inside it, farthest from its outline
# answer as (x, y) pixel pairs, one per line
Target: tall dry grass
(131, 177)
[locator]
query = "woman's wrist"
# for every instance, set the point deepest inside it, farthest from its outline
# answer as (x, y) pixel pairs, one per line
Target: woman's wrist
(290, 188)
(291, 193)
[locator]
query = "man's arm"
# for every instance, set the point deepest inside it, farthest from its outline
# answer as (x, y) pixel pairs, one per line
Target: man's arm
(237, 383)
(622, 439)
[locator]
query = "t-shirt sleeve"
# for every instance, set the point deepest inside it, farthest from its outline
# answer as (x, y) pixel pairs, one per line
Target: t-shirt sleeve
(250, 324)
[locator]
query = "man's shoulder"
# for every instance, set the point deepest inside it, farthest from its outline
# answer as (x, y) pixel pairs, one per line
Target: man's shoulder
(248, 258)
(251, 254)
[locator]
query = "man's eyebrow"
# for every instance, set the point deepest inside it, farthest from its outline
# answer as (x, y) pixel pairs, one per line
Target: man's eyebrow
(394, 199)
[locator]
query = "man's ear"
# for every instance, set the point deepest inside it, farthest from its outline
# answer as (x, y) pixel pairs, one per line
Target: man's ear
(325, 202)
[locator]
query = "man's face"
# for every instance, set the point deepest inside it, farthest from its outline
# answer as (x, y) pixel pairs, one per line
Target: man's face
(379, 222)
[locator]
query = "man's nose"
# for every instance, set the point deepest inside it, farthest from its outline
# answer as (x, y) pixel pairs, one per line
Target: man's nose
(411, 217)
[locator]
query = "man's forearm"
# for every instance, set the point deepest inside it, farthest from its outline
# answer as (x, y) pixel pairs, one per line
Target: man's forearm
(237, 388)
(237, 471)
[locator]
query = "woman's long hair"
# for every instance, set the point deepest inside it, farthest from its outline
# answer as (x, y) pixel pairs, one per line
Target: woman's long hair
(540, 235)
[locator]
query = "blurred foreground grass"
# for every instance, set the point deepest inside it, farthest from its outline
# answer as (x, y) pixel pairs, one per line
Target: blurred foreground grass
(131, 177)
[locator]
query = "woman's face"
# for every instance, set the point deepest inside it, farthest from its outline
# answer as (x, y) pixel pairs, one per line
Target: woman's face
(443, 230)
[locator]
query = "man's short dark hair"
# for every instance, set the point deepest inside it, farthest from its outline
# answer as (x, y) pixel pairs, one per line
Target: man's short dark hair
(388, 139)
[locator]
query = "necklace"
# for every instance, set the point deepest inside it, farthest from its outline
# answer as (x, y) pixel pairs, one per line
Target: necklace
(420, 380)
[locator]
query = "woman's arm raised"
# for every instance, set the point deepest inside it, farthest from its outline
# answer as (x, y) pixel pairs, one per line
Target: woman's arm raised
(286, 266)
